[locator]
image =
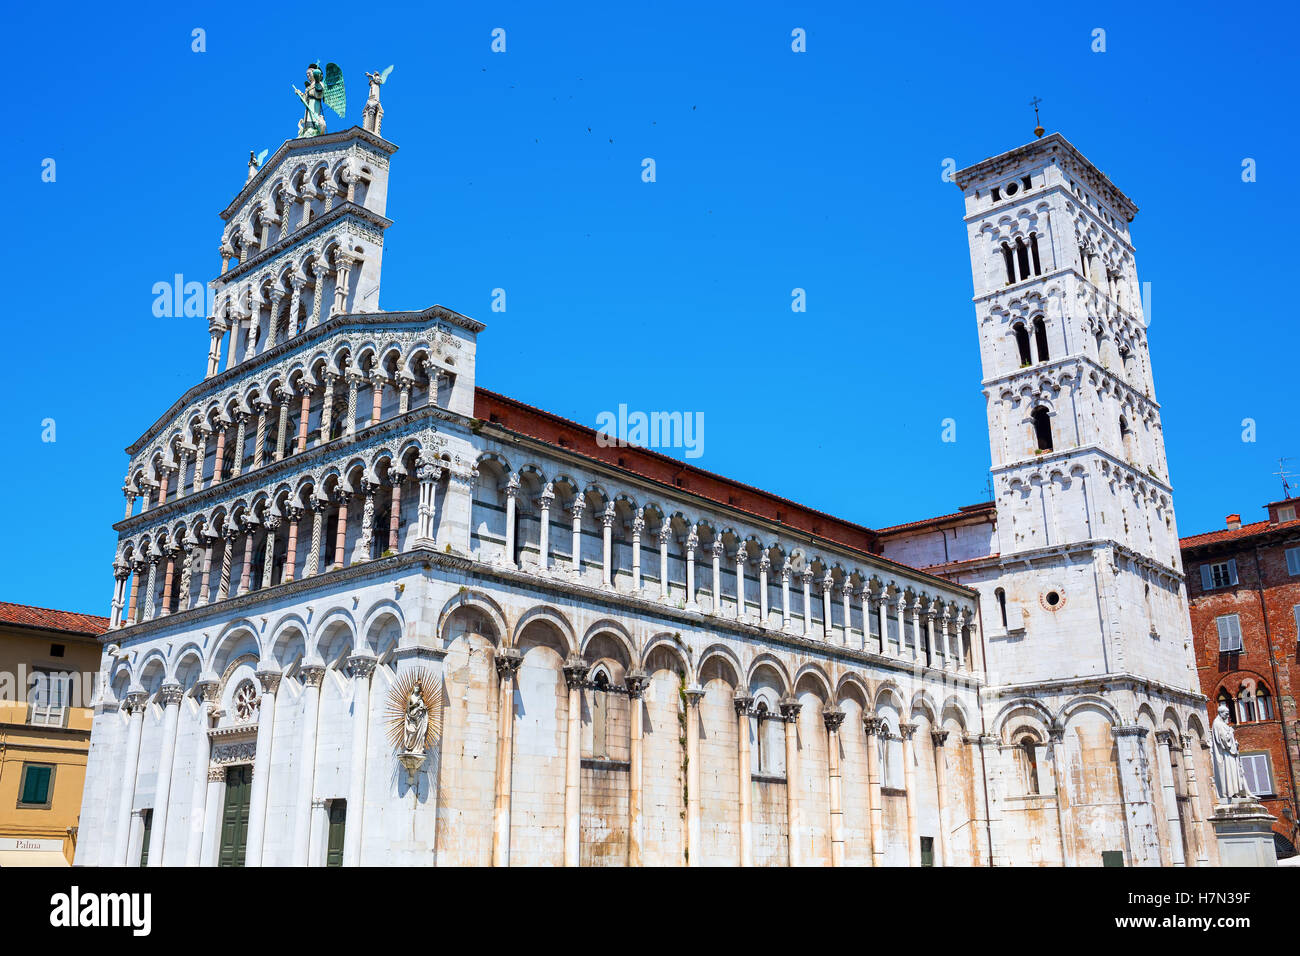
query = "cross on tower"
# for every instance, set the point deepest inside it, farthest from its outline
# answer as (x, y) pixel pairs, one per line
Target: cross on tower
(1038, 127)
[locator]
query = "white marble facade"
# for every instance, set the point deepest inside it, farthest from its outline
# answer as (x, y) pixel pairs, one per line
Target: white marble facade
(631, 674)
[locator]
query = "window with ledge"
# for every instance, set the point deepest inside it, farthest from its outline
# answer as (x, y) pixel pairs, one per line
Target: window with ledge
(1286, 513)
(1293, 561)
(48, 698)
(1002, 605)
(1259, 775)
(1220, 575)
(1229, 627)
(1027, 759)
(36, 789)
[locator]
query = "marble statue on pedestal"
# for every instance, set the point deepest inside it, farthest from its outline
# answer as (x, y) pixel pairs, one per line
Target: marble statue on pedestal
(1229, 781)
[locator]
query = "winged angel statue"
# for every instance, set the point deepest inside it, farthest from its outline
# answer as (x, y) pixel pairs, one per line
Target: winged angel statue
(322, 90)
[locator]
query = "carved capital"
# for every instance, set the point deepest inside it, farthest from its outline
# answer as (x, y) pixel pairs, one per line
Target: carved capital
(313, 675)
(508, 661)
(636, 681)
(742, 702)
(939, 737)
(575, 672)
(833, 717)
(790, 708)
(361, 666)
(170, 693)
(907, 731)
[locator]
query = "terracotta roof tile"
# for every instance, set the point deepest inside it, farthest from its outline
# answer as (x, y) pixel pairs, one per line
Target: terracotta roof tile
(1232, 534)
(73, 622)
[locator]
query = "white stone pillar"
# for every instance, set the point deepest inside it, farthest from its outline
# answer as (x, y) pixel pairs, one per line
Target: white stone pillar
(938, 738)
(692, 544)
(846, 592)
(607, 546)
(544, 528)
(916, 629)
(742, 702)
(764, 566)
(428, 474)
(665, 533)
(876, 730)
(213, 806)
(1164, 740)
(717, 550)
(785, 595)
(134, 706)
(270, 681)
(169, 695)
(693, 845)
(507, 662)
(1135, 790)
(362, 666)
(807, 577)
(794, 826)
(205, 692)
(312, 676)
(512, 494)
(638, 525)
(575, 511)
(741, 555)
(575, 675)
(833, 717)
(635, 681)
(909, 784)
(882, 614)
(1063, 817)
(828, 586)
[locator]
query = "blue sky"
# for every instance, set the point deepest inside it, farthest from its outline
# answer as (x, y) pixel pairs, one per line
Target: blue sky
(775, 170)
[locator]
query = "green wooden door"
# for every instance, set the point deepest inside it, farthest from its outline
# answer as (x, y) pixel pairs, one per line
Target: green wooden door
(338, 818)
(234, 819)
(1112, 857)
(927, 851)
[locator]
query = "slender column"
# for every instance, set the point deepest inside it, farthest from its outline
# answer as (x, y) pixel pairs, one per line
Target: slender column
(291, 551)
(744, 782)
(794, 826)
(377, 380)
(270, 681)
(220, 456)
(212, 807)
(606, 545)
(232, 324)
(846, 593)
(665, 532)
(268, 557)
(163, 482)
(875, 729)
(120, 574)
(717, 551)
(317, 296)
(259, 437)
(206, 572)
(404, 383)
(282, 426)
(807, 577)
(1063, 816)
(312, 676)
(205, 691)
(304, 417)
(575, 510)
(764, 566)
(354, 382)
(693, 850)
(341, 531)
(227, 554)
(361, 666)
(1197, 849)
(544, 528)
(327, 409)
(508, 660)
(428, 474)
(361, 552)
(134, 707)
(909, 784)
(133, 593)
(900, 605)
(938, 738)
(512, 510)
(785, 595)
(882, 614)
(828, 586)
(151, 585)
(246, 567)
(742, 554)
(277, 299)
(130, 500)
(692, 545)
(167, 583)
(832, 717)
(241, 426)
(936, 646)
(342, 271)
(1164, 740)
(169, 695)
(575, 674)
(214, 349)
(394, 509)
(297, 284)
(917, 612)
(1135, 790)
(635, 681)
(638, 525)
(186, 452)
(317, 523)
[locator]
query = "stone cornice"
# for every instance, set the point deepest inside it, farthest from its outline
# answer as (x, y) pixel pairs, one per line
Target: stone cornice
(377, 143)
(1039, 461)
(1122, 679)
(1080, 360)
(1050, 552)
(244, 606)
(361, 320)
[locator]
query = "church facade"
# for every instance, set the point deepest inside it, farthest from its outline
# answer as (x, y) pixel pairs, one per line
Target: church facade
(622, 659)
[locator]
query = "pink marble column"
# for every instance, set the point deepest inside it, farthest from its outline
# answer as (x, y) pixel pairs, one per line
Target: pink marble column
(306, 415)
(291, 554)
(341, 537)
(167, 583)
(395, 516)
(221, 453)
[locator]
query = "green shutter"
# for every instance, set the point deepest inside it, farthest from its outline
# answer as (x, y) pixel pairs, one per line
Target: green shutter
(36, 785)
(1112, 857)
(338, 820)
(927, 851)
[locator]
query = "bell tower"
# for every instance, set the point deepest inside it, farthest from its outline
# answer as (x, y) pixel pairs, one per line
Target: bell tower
(1090, 574)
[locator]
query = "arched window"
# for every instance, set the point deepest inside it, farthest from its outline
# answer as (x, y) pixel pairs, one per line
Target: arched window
(1040, 338)
(1002, 604)
(1033, 251)
(762, 757)
(1022, 258)
(1263, 703)
(1042, 428)
(1007, 261)
(1225, 699)
(600, 715)
(1246, 703)
(1126, 436)
(1027, 758)
(1022, 344)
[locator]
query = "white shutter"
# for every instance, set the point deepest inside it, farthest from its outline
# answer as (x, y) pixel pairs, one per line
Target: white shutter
(1232, 571)
(1229, 632)
(1206, 582)
(1224, 635)
(1293, 561)
(1296, 610)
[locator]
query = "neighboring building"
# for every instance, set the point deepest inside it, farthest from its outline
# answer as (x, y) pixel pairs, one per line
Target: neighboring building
(1244, 586)
(48, 664)
(639, 662)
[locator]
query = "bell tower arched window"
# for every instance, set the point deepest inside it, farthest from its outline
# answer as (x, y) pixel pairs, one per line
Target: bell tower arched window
(1042, 428)
(1040, 338)
(1022, 344)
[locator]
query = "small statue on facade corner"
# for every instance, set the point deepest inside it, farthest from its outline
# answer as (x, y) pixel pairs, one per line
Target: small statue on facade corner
(415, 727)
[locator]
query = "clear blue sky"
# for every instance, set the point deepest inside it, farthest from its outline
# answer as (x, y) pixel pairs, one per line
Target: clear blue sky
(775, 170)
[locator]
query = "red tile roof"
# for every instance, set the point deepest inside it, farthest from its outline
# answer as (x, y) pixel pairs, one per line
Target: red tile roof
(1232, 534)
(966, 511)
(72, 622)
